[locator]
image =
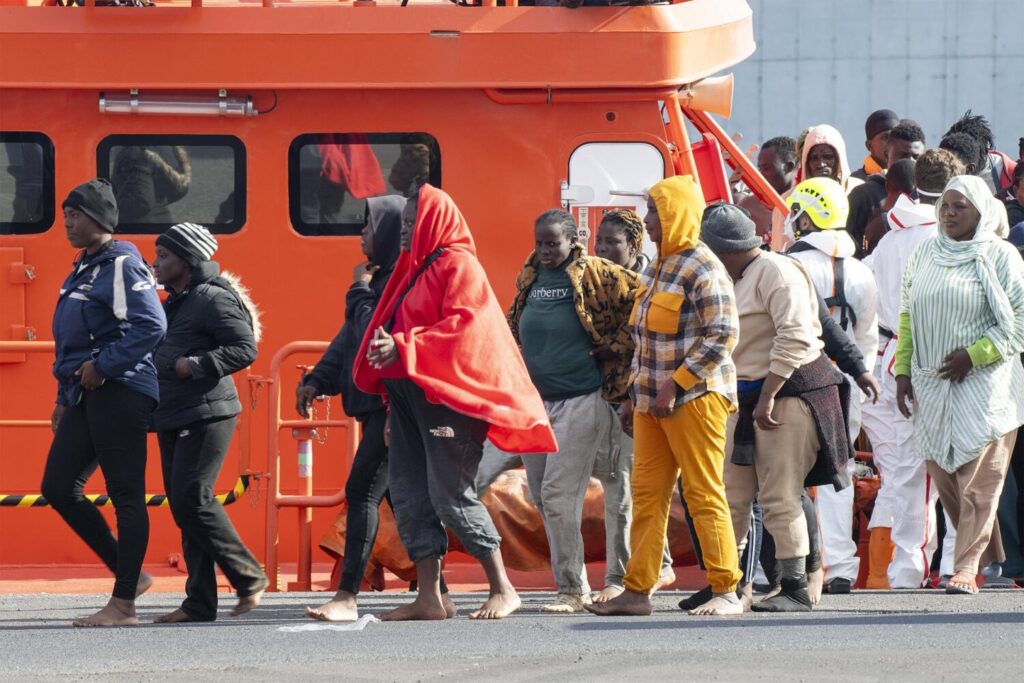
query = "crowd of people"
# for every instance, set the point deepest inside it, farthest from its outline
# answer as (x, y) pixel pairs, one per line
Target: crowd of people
(743, 365)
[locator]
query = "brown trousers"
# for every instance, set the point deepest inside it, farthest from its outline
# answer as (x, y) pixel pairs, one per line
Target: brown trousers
(782, 459)
(970, 496)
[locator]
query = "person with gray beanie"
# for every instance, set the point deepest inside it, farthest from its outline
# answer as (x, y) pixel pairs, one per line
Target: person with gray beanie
(106, 324)
(790, 430)
(212, 331)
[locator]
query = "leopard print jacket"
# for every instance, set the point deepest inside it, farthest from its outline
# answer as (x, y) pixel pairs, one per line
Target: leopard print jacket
(604, 294)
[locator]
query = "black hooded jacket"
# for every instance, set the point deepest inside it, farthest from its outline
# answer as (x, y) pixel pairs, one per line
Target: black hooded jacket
(333, 374)
(214, 322)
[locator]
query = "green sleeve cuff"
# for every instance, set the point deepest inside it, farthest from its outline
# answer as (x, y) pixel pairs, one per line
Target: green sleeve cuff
(904, 347)
(983, 352)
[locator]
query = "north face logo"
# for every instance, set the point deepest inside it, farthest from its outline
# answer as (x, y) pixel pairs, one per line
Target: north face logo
(443, 432)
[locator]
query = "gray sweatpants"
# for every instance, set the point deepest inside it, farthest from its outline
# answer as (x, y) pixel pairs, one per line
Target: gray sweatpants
(614, 473)
(612, 466)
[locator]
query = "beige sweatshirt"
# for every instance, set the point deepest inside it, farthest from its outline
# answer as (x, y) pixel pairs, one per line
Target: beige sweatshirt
(778, 311)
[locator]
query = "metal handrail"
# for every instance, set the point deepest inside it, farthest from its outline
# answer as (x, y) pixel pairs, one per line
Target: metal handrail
(305, 501)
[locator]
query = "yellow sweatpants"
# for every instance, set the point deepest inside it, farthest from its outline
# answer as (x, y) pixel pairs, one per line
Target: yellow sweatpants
(691, 439)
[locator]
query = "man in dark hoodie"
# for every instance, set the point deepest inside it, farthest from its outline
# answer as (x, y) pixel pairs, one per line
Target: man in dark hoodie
(876, 140)
(367, 483)
(107, 321)
(868, 201)
(212, 332)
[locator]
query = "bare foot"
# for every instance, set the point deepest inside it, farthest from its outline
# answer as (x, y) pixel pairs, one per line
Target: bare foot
(667, 578)
(607, 593)
(775, 590)
(144, 584)
(815, 582)
(247, 604)
(178, 616)
(628, 604)
(498, 606)
(118, 612)
(342, 607)
(721, 605)
(963, 583)
(450, 610)
(424, 608)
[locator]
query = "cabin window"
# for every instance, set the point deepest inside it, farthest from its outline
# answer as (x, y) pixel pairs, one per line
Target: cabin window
(161, 180)
(330, 175)
(26, 183)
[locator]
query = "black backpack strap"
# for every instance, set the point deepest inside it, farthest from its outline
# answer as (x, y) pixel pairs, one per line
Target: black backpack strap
(434, 255)
(846, 314)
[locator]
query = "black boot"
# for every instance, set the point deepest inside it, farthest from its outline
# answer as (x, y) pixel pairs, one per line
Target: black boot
(696, 600)
(794, 596)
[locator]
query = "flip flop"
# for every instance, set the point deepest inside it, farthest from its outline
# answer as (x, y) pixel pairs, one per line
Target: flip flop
(955, 588)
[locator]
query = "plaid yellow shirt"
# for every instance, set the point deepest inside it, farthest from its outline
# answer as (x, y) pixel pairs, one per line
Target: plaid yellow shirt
(685, 327)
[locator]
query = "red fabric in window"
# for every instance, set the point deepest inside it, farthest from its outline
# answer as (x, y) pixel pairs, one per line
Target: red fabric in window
(353, 165)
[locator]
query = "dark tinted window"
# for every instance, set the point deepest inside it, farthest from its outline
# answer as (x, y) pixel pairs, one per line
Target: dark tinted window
(160, 180)
(26, 183)
(330, 175)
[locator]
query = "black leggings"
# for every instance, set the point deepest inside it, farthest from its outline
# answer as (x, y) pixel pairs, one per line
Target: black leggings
(191, 457)
(367, 484)
(106, 428)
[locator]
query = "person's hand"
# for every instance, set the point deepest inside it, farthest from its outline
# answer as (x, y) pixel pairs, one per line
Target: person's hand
(904, 392)
(387, 431)
(603, 353)
(665, 401)
(626, 417)
(364, 272)
(88, 377)
(55, 417)
(956, 365)
(869, 385)
(763, 412)
(383, 351)
(304, 395)
(182, 368)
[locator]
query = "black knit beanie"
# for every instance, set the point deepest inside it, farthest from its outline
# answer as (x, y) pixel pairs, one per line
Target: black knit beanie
(96, 200)
(190, 242)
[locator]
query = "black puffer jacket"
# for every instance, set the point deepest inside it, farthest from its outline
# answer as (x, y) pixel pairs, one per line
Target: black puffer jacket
(214, 322)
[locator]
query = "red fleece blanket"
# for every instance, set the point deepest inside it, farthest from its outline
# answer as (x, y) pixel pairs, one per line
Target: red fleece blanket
(455, 343)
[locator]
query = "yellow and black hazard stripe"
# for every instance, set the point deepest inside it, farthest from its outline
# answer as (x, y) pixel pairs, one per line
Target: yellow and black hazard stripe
(35, 500)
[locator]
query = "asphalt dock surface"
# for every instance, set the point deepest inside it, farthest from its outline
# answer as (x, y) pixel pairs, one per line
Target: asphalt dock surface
(866, 636)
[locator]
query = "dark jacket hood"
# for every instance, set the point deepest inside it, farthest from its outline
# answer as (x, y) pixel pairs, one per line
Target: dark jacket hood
(384, 216)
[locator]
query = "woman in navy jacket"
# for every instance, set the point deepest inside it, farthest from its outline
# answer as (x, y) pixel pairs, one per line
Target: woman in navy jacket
(107, 322)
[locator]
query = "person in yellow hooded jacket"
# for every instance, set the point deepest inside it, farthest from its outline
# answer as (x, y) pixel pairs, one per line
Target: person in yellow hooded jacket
(684, 388)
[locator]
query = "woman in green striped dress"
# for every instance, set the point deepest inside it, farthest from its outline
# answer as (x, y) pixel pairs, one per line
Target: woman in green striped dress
(958, 361)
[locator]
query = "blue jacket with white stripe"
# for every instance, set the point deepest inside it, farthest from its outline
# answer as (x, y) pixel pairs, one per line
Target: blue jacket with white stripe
(109, 312)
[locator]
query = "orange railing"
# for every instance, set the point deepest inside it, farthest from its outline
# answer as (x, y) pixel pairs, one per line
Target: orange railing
(303, 432)
(25, 347)
(245, 474)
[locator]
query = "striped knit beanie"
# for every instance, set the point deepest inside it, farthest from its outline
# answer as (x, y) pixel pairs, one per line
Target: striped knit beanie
(191, 242)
